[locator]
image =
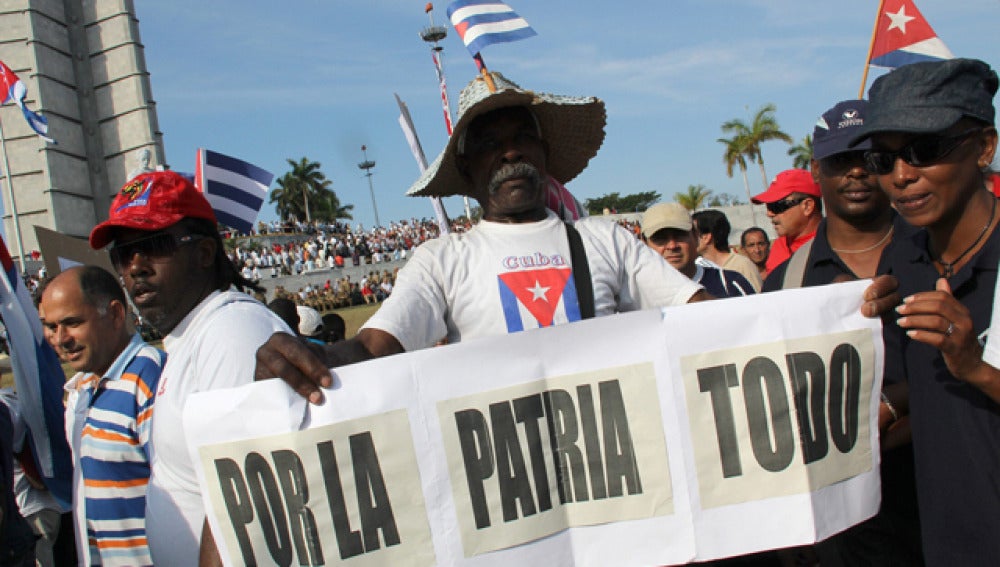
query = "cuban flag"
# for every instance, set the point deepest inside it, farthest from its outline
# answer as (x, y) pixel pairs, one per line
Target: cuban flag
(16, 92)
(903, 36)
(540, 297)
(39, 379)
(483, 22)
(235, 188)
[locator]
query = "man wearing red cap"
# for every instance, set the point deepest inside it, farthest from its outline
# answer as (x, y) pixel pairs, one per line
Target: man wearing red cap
(166, 247)
(794, 207)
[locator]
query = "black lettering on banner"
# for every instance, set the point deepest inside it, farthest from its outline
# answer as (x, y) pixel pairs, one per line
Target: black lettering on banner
(296, 492)
(348, 541)
(571, 478)
(477, 455)
(717, 380)
(595, 463)
(373, 498)
(270, 510)
(619, 452)
(512, 472)
(529, 411)
(762, 374)
(237, 499)
(808, 376)
(845, 396)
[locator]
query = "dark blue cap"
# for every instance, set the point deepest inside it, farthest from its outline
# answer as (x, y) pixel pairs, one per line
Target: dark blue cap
(835, 129)
(930, 97)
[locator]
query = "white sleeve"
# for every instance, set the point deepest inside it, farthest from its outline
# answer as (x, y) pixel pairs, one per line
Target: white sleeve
(991, 352)
(638, 277)
(228, 358)
(415, 311)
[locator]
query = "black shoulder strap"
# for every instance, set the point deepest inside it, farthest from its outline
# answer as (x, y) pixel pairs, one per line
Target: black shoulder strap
(581, 272)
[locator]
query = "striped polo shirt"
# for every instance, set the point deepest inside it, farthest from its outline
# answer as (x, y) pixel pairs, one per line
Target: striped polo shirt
(111, 436)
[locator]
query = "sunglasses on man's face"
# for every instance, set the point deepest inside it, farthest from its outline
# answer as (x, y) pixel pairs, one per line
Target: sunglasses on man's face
(839, 164)
(779, 207)
(154, 246)
(920, 152)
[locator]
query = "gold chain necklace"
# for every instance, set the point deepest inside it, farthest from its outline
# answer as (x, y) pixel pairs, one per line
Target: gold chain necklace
(869, 249)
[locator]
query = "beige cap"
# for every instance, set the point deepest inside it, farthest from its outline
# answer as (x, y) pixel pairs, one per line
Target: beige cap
(310, 321)
(665, 215)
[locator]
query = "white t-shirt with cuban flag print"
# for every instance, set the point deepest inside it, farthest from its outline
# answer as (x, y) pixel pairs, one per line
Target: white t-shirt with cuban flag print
(502, 278)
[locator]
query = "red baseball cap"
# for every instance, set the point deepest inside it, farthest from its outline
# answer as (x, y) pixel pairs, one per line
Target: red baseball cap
(152, 201)
(786, 183)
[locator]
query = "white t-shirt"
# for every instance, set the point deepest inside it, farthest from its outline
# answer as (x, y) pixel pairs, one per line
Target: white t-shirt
(501, 278)
(213, 347)
(991, 352)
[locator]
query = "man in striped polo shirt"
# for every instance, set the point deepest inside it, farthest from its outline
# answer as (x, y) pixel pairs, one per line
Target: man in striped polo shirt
(109, 412)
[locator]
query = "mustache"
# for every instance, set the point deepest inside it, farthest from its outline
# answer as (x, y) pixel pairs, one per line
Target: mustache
(513, 171)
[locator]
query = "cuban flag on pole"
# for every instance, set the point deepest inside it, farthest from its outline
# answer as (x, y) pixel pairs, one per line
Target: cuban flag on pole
(39, 380)
(235, 188)
(484, 22)
(903, 36)
(16, 91)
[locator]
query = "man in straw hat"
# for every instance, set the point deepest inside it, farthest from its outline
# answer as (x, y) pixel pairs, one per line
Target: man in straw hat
(166, 248)
(517, 269)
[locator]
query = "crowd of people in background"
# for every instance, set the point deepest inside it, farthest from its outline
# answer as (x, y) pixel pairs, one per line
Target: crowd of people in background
(307, 247)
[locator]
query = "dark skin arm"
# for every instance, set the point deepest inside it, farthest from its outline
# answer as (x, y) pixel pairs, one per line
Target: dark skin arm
(208, 552)
(881, 296)
(306, 367)
(927, 317)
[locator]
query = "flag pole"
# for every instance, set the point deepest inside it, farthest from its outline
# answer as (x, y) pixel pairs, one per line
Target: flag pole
(13, 203)
(433, 35)
(871, 48)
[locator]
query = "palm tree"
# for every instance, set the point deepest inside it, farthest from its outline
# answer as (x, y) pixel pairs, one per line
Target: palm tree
(305, 193)
(694, 198)
(734, 155)
(802, 152)
(763, 128)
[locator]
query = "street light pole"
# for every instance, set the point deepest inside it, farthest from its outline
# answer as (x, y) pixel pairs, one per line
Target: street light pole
(367, 165)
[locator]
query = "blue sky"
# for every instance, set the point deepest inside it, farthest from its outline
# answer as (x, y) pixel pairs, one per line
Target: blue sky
(316, 78)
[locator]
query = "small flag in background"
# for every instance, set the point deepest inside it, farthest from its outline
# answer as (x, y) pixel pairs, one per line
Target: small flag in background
(39, 379)
(483, 22)
(16, 91)
(235, 188)
(903, 36)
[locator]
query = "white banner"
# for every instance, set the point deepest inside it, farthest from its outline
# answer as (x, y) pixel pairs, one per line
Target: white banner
(704, 431)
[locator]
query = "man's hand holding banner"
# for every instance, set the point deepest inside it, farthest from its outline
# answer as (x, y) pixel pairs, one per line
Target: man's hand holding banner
(709, 430)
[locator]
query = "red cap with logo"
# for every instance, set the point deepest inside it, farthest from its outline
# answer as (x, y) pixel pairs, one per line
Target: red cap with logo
(152, 201)
(788, 182)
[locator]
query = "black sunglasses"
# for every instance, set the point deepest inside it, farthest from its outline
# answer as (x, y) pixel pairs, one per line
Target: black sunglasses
(779, 207)
(159, 245)
(842, 162)
(922, 151)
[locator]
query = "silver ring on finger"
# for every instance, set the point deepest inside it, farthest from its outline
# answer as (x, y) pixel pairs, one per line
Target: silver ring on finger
(950, 329)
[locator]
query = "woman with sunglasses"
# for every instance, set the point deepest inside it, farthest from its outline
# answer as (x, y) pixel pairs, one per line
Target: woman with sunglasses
(932, 135)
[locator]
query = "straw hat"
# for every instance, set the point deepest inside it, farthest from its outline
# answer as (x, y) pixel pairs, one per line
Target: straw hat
(573, 128)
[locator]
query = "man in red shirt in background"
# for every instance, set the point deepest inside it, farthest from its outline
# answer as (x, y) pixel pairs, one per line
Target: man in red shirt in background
(795, 208)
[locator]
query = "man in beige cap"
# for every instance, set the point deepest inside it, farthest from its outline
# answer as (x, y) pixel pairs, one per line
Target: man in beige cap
(668, 229)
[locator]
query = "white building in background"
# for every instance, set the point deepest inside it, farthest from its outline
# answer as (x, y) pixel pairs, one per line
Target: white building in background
(83, 64)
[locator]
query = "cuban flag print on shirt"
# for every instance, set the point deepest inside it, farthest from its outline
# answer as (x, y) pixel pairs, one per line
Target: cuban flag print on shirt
(903, 36)
(539, 297)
